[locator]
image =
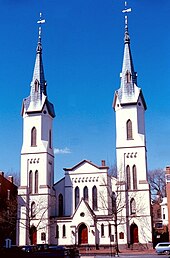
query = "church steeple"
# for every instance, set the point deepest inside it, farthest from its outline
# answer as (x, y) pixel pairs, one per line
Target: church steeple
(38, 93)
(38, 84)
(128, 74)
(128, 92)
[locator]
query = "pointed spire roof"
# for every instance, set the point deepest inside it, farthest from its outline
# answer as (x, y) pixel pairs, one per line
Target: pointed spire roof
(128, 74)
(38, 73)
(38, 93)
(128, 92)
(38, 84)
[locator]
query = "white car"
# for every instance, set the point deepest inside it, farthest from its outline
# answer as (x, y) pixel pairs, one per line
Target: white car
(163, 248)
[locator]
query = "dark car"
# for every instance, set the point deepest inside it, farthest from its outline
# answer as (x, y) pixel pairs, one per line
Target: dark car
(42, 247)
(28, 248)
(51, 251)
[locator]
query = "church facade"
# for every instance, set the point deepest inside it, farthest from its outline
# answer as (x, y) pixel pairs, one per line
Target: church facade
(87, 206)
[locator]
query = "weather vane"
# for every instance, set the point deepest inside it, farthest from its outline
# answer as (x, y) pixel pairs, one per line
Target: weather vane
(40, 21)
(126, 10)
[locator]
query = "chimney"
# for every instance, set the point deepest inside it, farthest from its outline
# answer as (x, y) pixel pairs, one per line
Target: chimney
(1, 173)
(10, 178)
(168, 170)
(103, 163)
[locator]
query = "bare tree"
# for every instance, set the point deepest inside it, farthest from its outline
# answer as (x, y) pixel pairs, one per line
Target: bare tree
(34, 212)
(156, 179)
(113, 170)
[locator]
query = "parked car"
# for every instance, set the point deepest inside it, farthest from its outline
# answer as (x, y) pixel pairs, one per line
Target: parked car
(163, 248)
(28, 248)
(42, 247)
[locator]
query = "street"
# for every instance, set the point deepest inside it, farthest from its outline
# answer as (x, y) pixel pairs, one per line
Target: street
(128, 256)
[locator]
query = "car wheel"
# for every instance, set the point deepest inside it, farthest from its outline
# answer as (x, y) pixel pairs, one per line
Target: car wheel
(166, 252)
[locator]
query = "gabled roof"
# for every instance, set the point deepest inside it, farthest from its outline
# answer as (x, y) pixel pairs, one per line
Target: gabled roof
(83, 162)
(86, 204)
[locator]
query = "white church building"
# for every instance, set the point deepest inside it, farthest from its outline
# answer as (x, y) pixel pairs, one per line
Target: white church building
(87, 206)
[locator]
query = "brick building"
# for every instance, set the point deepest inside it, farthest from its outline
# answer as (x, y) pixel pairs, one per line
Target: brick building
(168, 195)
(8, 209)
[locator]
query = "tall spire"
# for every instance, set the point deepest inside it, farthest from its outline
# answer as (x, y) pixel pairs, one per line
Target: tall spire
(128, 75)
(38, 94)
(38, 84)
(129, 92)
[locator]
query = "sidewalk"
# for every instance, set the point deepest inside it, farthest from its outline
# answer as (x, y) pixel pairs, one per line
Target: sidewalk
(108, 251)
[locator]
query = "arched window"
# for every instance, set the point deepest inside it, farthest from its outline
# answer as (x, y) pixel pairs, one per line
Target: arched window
(57, 232)
(114, 206)
(121, 235)
(94, 198)
(128, 177)
(132, 206)
(110, 229)
(60, 205)
(36, 181)
(134, 174)
(77, 197)
(43, 236)
(30, 182)
(64, 231)
(33, 137)
(85, 194)
(102, 230)
(36, 84)
(128, 76)
(50, 145)
(129, 130)
(33, 210)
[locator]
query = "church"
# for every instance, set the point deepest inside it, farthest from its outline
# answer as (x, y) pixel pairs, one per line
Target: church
(88, 206)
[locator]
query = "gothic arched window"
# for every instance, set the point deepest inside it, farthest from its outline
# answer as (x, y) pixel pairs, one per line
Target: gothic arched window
(85, 194)
(110, 229)
(64, 230)
(60, 205)
(33, 210)
(132, 206)
(36, 181)
(128, 177)
(30, 181)
(134, 174)
(77, 197)
(102, 230)
(43, 236)
(50, 145)
(129, 130)
(57, 232)
(128, 76)
(94, 198)
(36, 84)
(33, 137)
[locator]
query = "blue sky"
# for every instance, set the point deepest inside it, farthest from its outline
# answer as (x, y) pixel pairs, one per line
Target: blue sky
(82, 55)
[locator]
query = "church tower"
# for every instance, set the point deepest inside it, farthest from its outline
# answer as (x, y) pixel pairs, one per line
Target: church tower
(133, 193)
(36, 194)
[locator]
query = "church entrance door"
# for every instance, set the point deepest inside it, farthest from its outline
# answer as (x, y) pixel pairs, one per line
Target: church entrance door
(33, 235)
(134, 233)
(83, 234)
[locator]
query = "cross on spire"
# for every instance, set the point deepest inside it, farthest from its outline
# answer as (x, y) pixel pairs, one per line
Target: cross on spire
(40, 21)
(126, 10)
